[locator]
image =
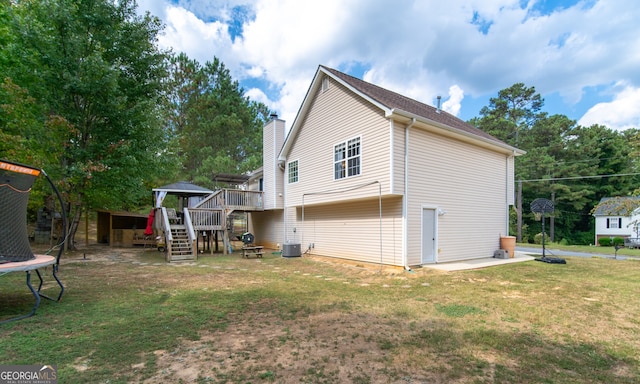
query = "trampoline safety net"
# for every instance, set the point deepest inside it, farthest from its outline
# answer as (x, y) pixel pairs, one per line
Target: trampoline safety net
(15, 185)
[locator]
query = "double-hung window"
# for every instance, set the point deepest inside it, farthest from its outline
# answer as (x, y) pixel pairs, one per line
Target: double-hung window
(346, 159)
(614, 222)
(293, 172)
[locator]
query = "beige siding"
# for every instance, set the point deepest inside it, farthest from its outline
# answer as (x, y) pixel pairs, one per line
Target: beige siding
(254, 184)
(468, 183)
(267, 227)
(352, 230)
(397, 165)
(272, 139)
(335, 116)
(291, 231)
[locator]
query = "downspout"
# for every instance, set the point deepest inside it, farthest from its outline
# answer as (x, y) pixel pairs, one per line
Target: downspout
(405, 256)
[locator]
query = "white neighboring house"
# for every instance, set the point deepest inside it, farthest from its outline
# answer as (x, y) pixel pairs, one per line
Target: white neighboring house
(366, 174)
(618, 217)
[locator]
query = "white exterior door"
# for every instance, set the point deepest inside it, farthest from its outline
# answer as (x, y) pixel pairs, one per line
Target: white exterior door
(428, 235)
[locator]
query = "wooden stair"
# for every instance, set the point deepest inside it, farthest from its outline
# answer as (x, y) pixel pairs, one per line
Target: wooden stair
(180, 248)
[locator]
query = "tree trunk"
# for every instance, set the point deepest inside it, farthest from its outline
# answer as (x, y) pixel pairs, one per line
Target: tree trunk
(73, 227)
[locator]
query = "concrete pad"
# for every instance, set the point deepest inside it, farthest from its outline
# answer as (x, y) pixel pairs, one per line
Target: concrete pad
(479, 263)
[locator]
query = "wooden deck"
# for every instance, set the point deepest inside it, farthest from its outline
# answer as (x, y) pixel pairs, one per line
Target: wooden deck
(233, 200)
(210, 215)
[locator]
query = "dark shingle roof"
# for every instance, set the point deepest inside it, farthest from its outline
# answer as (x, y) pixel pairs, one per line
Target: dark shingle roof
(394, 100)
(617, 206)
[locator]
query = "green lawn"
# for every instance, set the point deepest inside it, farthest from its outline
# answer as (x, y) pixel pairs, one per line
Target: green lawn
(587, 249)
(133, 318)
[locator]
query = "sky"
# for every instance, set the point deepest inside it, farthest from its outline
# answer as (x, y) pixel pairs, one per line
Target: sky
(582, 57)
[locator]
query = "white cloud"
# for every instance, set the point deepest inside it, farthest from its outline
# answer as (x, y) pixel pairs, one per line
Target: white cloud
(452, 105)
(621, 113)
(256, 94)
(416, 48)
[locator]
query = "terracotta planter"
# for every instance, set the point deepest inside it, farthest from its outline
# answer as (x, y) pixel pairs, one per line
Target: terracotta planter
(508, 243)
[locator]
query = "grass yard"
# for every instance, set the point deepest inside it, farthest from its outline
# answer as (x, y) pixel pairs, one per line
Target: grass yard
(128, 317)
(611, 251)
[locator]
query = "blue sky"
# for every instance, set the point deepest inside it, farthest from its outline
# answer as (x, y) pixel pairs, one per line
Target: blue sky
(583, 57)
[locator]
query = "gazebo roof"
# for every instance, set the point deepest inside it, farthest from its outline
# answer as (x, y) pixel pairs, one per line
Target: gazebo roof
(183, 188)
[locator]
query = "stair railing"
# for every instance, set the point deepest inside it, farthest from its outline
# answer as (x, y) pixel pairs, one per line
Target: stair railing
(166, 228)
(190, 232)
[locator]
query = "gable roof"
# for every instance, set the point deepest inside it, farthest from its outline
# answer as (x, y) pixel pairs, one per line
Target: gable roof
(394, 105)
(617, 206)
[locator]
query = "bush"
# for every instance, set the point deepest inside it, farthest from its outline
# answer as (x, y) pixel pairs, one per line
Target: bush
(537, 239)
(618, 241)
(564, 242)
(604, 241)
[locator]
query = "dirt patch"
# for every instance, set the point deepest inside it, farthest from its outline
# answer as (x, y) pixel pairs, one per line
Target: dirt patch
(329, 347)
(333, 346)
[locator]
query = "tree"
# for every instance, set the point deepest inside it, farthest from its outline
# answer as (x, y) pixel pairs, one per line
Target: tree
(562, 163)
(95, 66)
(516, 109)
(219, 130)
(513, 112)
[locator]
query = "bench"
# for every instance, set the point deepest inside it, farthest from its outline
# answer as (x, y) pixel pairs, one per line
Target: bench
(249, 250)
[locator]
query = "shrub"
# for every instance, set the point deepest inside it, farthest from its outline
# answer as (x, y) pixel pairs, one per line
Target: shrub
(537, 239)
(604, 241)
(617, 241)
(564, 242)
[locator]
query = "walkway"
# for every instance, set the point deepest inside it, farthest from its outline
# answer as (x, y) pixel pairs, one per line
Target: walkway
(479, 263)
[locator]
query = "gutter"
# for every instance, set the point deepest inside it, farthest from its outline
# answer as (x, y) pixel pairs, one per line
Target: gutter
(398, 112)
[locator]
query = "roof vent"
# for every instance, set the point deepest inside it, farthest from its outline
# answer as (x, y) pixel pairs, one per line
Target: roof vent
(439, 99)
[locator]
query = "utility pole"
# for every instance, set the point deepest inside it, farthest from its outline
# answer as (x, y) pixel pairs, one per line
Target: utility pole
(551, 219)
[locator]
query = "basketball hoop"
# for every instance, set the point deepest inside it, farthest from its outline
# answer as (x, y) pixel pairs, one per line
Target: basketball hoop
(540, 207)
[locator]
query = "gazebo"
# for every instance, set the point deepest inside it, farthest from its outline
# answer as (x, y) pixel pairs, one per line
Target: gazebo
(188, 194)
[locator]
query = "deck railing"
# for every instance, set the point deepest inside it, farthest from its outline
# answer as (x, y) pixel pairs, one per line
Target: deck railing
(234, 199)
(207, 219)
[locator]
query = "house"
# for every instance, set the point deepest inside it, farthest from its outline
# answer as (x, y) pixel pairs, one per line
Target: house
(617, 217)
(369, 175)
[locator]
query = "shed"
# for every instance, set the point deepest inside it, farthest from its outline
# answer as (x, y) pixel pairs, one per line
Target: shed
(121, 229)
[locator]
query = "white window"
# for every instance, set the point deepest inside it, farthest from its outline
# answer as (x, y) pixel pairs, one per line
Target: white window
(325, 84)
(293, 172)
(346, 159)
(614, 222)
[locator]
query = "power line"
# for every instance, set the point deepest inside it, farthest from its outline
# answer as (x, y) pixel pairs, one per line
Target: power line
(578, 177)
(594, 160)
